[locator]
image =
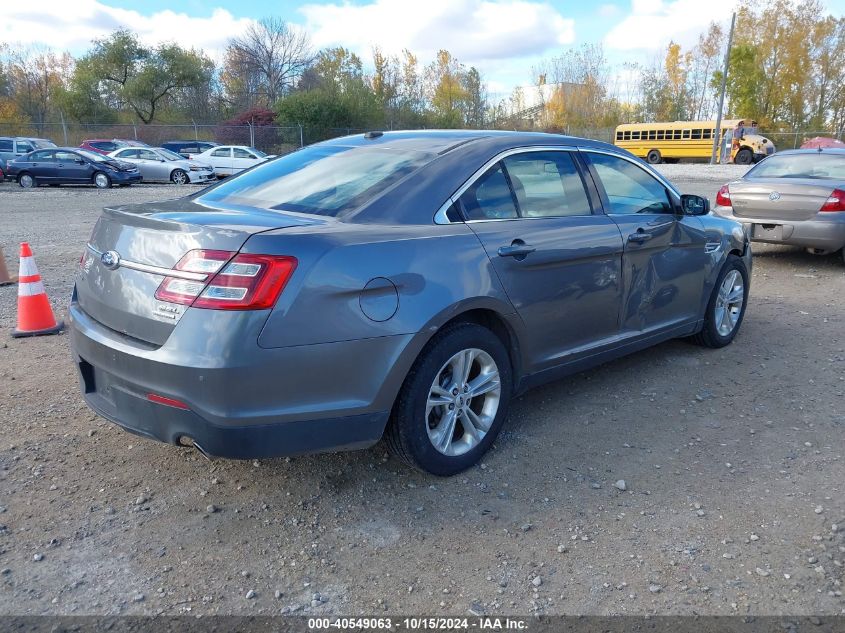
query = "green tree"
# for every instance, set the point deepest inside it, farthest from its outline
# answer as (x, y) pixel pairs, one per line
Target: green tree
(447, 93)
(120, 72)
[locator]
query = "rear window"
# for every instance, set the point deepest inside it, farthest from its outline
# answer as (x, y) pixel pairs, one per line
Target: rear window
(327, 180)
(815, 165)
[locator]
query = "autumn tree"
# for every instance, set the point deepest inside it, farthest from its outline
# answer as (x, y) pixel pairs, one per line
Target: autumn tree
(446, 91)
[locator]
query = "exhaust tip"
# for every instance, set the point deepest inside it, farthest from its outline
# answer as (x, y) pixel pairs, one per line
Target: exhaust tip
(188, 442)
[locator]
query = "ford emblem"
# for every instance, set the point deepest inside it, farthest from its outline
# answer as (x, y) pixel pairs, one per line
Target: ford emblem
(110, 260)
(774, 196)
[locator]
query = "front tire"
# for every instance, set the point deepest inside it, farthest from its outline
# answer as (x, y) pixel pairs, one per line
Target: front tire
(453, 402)
(726, 307)
(179, 177)
(101, 180)
(744, 157)
(654, 157)
(27, 181)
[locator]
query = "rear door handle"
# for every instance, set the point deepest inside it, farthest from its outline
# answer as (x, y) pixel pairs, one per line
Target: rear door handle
(518, 250)
(639, 237)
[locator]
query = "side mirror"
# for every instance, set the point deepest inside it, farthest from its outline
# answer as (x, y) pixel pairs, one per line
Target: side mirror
(695, 205)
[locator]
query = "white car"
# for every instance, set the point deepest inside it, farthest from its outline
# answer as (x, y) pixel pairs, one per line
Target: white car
(230, 159)
(159, 164)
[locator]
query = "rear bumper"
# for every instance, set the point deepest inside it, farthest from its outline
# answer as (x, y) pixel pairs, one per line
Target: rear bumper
(818, 232)
(244, 402)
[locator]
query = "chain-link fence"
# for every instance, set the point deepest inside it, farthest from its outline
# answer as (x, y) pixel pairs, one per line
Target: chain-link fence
(271, 139)
(275, 139)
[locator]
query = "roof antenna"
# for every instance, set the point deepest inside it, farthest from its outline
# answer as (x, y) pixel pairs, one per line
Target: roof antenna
(372, 135)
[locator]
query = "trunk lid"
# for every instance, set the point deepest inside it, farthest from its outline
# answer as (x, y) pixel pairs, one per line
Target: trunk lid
(155, 237)
(787, 199)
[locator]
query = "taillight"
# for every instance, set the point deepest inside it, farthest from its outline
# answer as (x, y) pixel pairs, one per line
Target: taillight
(222, 280)
(723, 197)
(836, 201)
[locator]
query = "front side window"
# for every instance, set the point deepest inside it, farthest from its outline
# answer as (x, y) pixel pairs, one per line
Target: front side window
(146, 154)
(106, 146)
(25, 148)
(128, 153)
(242, 153)
(66, 157)
(547, 184)
(630, 189)
(489, 197)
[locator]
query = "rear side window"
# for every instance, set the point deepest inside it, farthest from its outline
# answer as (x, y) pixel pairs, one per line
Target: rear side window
(489, 197)
(43, 156)
(5, 145)
(323, 180)
(547, 184)
(630, 189)
(105, 146)
(128, 153)
(222, 153)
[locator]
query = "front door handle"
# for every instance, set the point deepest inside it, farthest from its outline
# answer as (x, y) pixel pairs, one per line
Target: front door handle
(639, 237)
(518, 250)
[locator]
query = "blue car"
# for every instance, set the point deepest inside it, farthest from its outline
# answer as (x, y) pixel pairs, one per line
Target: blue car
(70, 166)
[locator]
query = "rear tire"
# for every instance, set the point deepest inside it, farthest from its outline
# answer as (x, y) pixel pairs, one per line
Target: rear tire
(27, 181)
(722, 310)
(437, 425)
(102, 180)
(744, 157)
(654, 157)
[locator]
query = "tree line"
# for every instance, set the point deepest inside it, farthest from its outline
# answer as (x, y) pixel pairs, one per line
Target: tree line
(787, 70)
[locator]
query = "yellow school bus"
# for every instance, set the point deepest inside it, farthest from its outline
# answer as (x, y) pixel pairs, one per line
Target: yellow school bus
(693, 140)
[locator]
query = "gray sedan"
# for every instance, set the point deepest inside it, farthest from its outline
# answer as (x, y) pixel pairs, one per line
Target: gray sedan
(405, 285)
(157, 164)
(794, 197)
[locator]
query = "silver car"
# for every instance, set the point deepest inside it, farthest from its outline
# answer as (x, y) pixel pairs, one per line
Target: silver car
(157, 164)
(794, 197)
(405, 285)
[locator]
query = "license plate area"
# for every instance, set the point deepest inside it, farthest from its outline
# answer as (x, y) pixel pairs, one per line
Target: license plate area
(768, 232)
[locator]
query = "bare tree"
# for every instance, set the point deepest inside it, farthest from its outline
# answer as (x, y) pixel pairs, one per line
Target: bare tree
(265, 62)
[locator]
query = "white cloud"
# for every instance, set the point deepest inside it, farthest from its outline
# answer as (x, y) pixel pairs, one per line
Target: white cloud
(72, 24)
(653, 23)
(474, 31)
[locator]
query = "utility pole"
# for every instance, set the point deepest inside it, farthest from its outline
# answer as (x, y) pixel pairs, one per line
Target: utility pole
(718, 133)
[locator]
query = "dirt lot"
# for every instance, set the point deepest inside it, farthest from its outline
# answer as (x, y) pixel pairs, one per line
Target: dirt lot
(732, 459)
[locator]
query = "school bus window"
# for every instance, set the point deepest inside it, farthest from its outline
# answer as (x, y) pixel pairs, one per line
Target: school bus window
(619, 136)
(708, 134)
(686, 133)
(635, 136)
(696, 135)
(652, 135)
(660, 135)
(677, 135)
(627, 136)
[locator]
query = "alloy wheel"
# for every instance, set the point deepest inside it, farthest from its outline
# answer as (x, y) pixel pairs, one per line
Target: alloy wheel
(101, 180)
(27, 181)
(463, 402)
(729, 303)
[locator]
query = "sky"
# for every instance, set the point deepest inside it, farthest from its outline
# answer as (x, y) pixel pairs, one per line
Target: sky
(504, 39)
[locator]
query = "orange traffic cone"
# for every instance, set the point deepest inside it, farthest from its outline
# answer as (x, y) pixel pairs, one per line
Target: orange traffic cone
(5, 277)
(35, 316)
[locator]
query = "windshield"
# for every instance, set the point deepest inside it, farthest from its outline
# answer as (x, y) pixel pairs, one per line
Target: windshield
(817, 165)
(100, 158)
(323, 180)
(170, 155)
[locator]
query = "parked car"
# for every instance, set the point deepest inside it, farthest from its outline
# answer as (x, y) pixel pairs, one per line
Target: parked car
(158, 164)
(70, 166)
(12, 147)
(106, 146)
(406, 284)
(186, 148)
(231, 159)
(794, 197)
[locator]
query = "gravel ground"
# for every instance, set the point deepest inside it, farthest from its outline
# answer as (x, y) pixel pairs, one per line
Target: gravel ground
(732, 462)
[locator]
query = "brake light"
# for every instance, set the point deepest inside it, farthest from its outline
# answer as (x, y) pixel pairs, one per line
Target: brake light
(723, 197)
(836, 201)
(227, 281)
